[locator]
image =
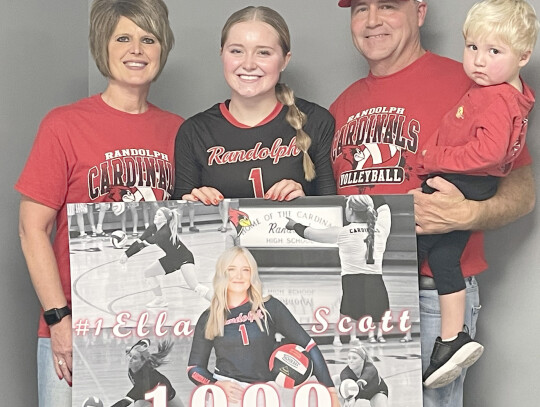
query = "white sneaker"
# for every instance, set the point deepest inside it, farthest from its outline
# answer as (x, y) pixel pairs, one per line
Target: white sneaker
(157, 302)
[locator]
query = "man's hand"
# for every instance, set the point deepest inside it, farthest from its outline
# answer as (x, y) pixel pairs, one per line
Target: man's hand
(443, 211)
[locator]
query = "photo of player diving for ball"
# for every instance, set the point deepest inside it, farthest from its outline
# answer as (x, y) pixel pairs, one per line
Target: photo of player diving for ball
(164, 233)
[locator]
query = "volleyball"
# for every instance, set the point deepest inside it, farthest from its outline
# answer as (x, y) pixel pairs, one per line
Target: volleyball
(291, 365)
(348, 389)
(119, 239)
(92, 402)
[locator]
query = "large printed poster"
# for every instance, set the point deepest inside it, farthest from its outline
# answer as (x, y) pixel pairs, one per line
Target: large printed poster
(339, 294)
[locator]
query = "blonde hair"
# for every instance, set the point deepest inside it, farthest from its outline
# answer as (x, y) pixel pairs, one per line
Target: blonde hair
(215, 326)
(362, 352)
(513, 21)
(150, 15)
(155, 359)
(363, 206)
(296, 118)
(172, 222)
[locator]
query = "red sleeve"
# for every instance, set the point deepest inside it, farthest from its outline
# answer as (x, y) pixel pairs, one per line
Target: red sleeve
(45, 175)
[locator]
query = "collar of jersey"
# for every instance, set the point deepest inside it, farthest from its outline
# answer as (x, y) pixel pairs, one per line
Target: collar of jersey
(224, 108)
(242, 303)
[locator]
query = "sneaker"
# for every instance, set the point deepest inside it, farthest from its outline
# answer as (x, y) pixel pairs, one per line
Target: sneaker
(406, 339)
(337, 342)
(372, 339)
(157, 302)
(222, 229)
(381, 339)
(449, 358)
(193, 229)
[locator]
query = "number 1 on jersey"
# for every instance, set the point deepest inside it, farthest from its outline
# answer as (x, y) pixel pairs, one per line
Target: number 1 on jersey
(243, 332)
(255, 176)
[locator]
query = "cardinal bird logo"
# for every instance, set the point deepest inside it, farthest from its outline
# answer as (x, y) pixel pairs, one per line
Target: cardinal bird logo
(239, 219)
(372, 155)
(120, 193)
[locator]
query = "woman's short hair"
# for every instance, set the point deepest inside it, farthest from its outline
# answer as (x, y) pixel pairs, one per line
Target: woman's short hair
(150, 15)
(513, 21)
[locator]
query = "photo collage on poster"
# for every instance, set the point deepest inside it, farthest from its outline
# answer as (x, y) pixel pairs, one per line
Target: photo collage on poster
(140, 287)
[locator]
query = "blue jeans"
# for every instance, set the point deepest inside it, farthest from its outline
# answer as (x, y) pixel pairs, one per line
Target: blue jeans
(430, 327)
(52, 392)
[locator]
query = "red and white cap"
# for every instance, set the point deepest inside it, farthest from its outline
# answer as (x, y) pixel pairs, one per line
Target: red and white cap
(347, 3)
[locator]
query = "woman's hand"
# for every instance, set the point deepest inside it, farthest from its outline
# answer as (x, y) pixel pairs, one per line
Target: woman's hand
(61, 345)
(285, 190)
(290, 224)
(232, 389)
(206, 195)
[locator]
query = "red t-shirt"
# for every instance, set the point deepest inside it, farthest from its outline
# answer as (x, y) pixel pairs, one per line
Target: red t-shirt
(383, 123)
(90, 152)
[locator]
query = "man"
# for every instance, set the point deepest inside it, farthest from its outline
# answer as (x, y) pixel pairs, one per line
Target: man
(382, 124)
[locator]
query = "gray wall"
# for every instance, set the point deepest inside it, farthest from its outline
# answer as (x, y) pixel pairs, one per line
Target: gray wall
(45, 64)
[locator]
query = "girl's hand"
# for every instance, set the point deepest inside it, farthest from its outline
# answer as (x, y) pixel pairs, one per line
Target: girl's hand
(206, 195)
(285, 190)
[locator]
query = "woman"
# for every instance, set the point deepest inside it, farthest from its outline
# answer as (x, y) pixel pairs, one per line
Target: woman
(86, 150)
(144, 375)
(262, 142)
(361, 245)
(371, 385)
(243, 345)
(164, 233)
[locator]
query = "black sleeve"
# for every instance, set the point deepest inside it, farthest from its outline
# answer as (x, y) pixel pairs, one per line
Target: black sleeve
(369, 373)
(135, 248)
(347, 373)
(148, 236)
(187, 170)
(289, 327)
(322, 135)
(201, 349)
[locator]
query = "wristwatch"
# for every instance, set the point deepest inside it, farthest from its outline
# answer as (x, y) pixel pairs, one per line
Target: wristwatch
(55, 315)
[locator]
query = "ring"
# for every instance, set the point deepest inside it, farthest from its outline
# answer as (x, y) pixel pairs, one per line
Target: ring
(60, 362)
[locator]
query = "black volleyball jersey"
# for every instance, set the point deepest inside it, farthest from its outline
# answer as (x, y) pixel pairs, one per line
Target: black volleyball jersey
(213, 149)
(243, 352)
(146, 379)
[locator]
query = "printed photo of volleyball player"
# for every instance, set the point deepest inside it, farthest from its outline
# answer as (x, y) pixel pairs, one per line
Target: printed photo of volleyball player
(111, 295)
